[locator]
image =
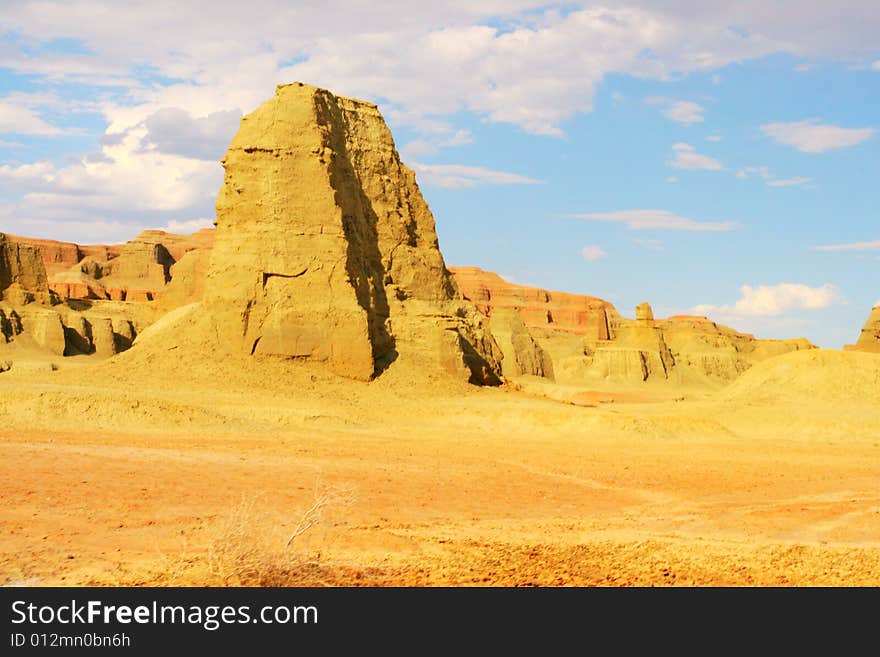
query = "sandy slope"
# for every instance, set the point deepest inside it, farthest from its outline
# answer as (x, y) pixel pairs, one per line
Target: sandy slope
(136, 471)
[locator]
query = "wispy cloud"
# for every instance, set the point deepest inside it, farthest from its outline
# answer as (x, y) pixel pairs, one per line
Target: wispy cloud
(853, 246)
(789, 182)
(457, 176)
(773, 300)
(809, 136)
(592, 252)
(656, 220)
(746, 172)
(686, 157)
(714, 138)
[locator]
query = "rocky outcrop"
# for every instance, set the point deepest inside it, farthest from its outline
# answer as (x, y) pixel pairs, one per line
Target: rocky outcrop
(869, 338)
(325, 249)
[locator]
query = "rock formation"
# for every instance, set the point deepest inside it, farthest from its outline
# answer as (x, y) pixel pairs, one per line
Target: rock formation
(538, 308)
(325, 249)
(36, 325)
(60, 256)
(869, 338)
(22, 273)
(136, 271)
(584, 340)
(522, 355)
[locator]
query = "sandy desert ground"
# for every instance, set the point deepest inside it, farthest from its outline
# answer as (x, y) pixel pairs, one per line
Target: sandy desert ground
(200, 478)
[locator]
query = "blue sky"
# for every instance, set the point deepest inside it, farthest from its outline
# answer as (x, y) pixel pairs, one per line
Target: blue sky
(709, 159)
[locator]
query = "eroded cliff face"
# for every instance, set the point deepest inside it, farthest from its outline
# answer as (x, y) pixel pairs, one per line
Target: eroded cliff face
(326, 250)
(869, 338)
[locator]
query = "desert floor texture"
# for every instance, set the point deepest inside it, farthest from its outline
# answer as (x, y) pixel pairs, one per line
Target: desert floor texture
(202, 476)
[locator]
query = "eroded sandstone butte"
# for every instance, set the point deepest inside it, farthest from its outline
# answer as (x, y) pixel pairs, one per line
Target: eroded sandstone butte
(869, 338)
(325, 249)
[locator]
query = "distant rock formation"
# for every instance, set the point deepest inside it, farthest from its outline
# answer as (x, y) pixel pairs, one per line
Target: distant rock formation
(34, 323)
(136, 271)
(584, 339)
(325, 249)
(869, 338)
(60, 256)
(583, 315)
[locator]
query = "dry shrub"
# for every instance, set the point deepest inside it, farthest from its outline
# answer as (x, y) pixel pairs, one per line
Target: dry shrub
(250, 548)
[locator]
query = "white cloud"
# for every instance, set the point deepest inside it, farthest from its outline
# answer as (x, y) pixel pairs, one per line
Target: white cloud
(789, 182)
(686, 157)
(680, 111)
(764, 173)
(684, 112)
(593, 252)
(672, 180)
(714, 138)
(521, 62)
(655, 220)
(124, 186)
(536, 69)
(876, 65)
(455, 176)
(854, 246)
(460, 138)
(809, 136)
(431, 145)
(773, 300)
(802, 68)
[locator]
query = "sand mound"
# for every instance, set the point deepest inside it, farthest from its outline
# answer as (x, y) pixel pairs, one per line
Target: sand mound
(817, 375)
